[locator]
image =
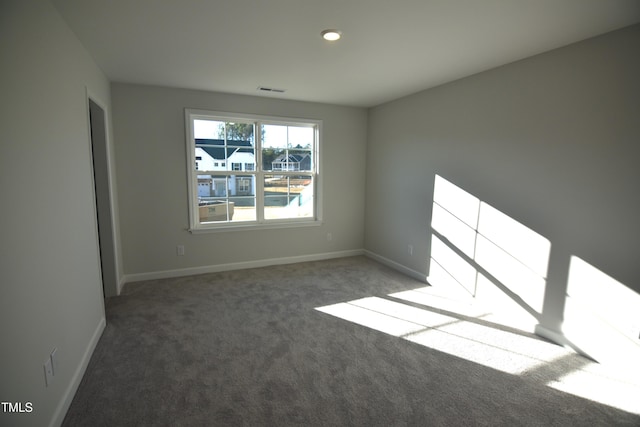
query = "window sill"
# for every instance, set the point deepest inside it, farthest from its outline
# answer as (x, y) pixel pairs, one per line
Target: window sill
(253, 227)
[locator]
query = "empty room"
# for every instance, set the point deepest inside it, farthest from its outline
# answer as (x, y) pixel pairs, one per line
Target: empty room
(340, 212)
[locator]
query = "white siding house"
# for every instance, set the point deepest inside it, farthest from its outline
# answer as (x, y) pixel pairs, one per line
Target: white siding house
(213, 155)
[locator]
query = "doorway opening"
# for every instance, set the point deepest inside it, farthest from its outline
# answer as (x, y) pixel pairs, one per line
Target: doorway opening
(100, 158)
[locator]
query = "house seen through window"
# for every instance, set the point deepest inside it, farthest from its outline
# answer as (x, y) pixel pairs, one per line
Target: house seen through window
(251, 170)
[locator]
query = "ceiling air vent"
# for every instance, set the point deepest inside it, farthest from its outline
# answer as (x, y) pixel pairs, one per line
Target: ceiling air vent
(270, 89)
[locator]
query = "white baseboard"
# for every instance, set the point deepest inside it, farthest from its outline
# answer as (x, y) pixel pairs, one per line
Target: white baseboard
(238, 265)
(67, 398)
(121, 282)
(562, 340)
(551, 335)
(397, 266)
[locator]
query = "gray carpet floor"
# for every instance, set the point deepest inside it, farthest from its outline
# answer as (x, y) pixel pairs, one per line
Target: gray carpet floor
(250, 348)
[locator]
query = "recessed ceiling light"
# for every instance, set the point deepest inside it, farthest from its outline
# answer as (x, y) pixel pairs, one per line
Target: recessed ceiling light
(331, 35)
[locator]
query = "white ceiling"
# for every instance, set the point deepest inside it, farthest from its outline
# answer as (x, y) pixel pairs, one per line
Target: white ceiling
(390, 48)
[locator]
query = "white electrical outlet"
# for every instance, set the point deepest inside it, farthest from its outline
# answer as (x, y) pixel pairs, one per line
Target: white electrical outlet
(180, 250)
(410, 249)
(48, 372)
(329, 237)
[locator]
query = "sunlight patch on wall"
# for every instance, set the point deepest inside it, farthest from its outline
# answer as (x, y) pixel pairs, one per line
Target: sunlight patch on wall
(602, 316)
(458, 202)
(519, 279)
(478, 239)
(455, 230)
(453, 264)
(523, 244)
(438, 275)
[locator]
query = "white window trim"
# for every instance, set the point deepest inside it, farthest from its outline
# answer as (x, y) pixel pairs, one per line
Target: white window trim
(196, 227)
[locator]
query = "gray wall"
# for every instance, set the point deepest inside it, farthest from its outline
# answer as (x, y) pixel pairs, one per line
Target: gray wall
(553, 141)
(149, 133)
(50, 286)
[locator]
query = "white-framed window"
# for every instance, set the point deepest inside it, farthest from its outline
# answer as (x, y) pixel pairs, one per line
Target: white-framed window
(244, 184)
(270, 191)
